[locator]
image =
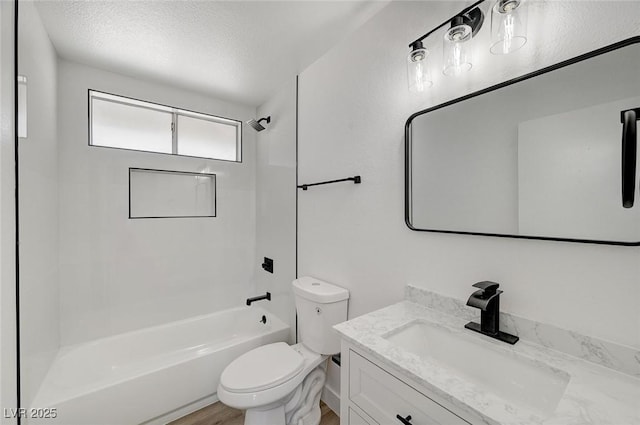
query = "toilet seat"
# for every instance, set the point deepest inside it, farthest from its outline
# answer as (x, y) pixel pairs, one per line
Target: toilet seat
(262, 368)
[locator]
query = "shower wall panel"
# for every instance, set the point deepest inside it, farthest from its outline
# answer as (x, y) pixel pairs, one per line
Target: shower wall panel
(119, 274)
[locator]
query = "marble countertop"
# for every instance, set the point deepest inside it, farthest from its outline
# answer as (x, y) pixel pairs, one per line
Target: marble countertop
(594, 394)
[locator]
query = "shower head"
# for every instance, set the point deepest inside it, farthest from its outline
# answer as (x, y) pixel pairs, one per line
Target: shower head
(256, 124)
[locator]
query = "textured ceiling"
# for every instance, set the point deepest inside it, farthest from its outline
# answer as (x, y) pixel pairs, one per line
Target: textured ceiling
(235, 50)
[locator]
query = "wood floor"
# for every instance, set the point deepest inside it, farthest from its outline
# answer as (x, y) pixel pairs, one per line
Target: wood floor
(219, 414)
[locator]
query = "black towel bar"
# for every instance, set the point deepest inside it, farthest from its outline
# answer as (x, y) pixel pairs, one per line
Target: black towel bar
(354, 179)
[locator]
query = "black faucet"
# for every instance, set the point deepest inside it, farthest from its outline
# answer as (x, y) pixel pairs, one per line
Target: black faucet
(487, 299)
(266, 296)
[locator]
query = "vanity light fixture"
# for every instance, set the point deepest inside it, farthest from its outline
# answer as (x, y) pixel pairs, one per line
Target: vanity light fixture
(418, 74)
(456, 54)
(508, 34)
(508, 26)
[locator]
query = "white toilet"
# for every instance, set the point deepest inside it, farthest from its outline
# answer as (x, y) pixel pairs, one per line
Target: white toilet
(279, 384)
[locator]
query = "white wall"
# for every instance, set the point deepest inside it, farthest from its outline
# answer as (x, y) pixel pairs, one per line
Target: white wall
(118, 274)
(353, 104)
(276, 202)
(8, 397)
(38, 199)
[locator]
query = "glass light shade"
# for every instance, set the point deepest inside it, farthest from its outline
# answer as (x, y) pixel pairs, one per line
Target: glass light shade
(457, 58)
(419, 77)
(508, 26)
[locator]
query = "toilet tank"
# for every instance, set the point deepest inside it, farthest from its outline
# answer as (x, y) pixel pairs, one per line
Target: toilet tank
(319, 305)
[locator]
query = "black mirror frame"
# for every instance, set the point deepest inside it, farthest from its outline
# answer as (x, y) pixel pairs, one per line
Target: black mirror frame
(407, 145)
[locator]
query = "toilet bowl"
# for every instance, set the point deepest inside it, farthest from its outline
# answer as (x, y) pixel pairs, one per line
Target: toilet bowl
(266, 378)
(280, 384)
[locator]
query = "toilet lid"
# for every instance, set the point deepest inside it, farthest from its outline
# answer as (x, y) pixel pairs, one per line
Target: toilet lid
(262, 368)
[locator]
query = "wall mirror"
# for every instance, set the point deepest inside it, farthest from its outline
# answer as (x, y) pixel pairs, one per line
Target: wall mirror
(550, 155)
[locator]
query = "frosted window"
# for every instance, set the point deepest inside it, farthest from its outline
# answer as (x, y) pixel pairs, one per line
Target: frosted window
(159, 193)
(206, 138)
(124, 123)
(118, 125)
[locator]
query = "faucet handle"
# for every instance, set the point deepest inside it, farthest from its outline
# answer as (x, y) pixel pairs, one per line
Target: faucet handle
(489, 288)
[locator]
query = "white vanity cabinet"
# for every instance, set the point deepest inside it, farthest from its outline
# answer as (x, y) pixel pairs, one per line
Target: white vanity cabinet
(371, 394)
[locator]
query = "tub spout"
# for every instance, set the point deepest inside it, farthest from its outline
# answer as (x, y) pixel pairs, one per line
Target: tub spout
(266, 296)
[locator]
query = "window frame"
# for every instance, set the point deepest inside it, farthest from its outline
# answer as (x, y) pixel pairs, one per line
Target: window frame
(175, 113)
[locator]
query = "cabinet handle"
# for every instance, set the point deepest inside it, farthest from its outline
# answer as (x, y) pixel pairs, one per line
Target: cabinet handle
(405, 421)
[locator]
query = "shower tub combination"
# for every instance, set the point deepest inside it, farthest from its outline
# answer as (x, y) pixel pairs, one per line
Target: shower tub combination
(152, 375)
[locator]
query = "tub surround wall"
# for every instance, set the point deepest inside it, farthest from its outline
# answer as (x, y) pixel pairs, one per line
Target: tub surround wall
(276, 202)
(119, 274)
(38, 167)
(353, 104)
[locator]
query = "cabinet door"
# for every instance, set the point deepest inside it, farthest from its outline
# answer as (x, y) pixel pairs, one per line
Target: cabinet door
(356, 419)
(384, 397)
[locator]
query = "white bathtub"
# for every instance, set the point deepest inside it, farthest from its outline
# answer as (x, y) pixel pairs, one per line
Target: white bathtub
(137, 376)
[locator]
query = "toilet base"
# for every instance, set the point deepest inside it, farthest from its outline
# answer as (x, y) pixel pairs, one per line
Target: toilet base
(302, 407)
(273, 416)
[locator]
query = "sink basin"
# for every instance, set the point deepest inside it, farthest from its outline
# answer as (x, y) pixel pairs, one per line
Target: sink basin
(518, 380)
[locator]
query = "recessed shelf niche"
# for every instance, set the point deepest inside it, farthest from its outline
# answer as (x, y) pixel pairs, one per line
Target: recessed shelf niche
(171, 194)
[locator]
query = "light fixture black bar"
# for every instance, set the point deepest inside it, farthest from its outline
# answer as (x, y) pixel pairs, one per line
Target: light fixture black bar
(447, 22)
(354, 179)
